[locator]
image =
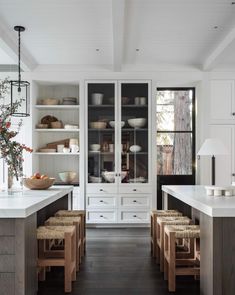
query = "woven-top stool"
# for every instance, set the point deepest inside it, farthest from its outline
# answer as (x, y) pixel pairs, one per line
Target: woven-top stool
(67, 221)
(154, 215)
(47, 257)
(76, 213)
(176, 266)
(161, 222)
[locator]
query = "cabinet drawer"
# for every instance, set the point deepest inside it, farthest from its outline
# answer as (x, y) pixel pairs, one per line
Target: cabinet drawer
(101, 189)
(101, 216)
(101, 201)
(134, 201)
(134, 216)
(135, 189)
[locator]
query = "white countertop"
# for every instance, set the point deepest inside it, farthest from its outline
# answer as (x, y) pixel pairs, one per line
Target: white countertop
(196, 197)
(22, 204)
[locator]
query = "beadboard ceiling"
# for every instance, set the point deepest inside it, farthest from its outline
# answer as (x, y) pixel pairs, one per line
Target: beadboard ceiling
(117, 33)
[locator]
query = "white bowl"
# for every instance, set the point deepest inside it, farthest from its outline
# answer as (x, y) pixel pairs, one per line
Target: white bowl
(95, 147)
(67, 176)
(123, 174)
(97, 98)
(95, 179)
(137, 122)
(112, 124)
(135, 148)
(109, 176)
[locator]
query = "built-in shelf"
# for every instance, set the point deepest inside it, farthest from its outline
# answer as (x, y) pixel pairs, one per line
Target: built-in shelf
(99, 129)
(56, 154)
(57, 107)
(134, 129)
(65, 183)
(136, 153)
(100, 153)
(111, 106)
(57, 130)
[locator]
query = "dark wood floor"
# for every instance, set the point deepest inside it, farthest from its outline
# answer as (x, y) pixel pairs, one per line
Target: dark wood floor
(117, 262)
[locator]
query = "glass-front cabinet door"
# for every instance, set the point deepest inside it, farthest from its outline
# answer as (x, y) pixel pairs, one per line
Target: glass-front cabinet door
(102, 135)
(134, 132)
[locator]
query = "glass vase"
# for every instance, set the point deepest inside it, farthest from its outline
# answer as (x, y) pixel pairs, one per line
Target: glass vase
(14, 184)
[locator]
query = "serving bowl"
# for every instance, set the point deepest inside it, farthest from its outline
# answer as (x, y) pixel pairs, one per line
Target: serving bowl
(38, 184)
(109, 176)
(50, 101)
(137, 122)
(95, 147)
(67, 176)
(135, 148)
(112, 124)
(98, 125)
(42, 126)
(95, 179)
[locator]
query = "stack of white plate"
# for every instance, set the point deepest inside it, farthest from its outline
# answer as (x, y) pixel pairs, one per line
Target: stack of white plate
(69, 101)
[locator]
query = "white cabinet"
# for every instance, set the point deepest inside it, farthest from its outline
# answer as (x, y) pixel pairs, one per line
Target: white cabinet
(118, 150)
(222, 102)
(225, 166)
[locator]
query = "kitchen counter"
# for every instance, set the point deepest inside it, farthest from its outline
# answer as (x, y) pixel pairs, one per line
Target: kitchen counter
(22, 204)
(217, 235)
(20, 215)
(196, 197)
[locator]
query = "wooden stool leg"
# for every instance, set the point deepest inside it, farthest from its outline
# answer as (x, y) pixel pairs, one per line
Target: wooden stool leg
(67, 264)
(41, 255)
(171, 274)
(165, 255)
(161, 250)
(74, 248)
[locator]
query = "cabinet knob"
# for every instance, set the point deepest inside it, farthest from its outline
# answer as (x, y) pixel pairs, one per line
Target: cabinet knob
(101, 201)
(233, 174)
(101, 190)
(101, 216)
(134, 189)
(134, 201)
(233, 114)
(134, 215)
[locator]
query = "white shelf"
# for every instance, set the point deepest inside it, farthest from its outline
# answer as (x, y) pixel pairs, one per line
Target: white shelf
(56, 154)
(57, 107)
(57, 130)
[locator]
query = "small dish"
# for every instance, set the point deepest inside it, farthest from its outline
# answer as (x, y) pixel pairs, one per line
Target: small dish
(98, 125)
(67, 176)
(137, 122)
(95, 147)
(112, 124)
(135, 148)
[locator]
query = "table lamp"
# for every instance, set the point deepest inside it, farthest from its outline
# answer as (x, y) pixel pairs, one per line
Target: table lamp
(213, 147)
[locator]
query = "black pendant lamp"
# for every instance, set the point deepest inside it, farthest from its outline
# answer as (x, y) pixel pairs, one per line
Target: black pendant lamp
(19, 88)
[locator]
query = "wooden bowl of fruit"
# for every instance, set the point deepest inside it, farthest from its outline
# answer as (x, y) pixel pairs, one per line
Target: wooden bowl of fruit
(38, 182)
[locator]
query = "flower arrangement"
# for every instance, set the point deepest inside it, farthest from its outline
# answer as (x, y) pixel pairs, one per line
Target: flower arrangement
(10, 150)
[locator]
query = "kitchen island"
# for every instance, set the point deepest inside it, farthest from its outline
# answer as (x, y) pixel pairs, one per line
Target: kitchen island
(20, 214)
(217, 243)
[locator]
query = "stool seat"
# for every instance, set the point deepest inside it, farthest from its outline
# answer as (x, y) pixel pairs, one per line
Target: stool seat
(63, 220)
(69, 213)
(184, 231)
(167, 213)
(173, 220)
(53, 232)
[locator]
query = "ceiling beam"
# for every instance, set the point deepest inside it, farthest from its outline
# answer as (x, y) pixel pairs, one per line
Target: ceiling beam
(9, 43)
(216, 53)
(118, 18)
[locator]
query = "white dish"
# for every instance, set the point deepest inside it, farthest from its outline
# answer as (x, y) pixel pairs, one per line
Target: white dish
(95, 179)
(95, 147)
(109, 176)
(137, 180)
(67, 176)
(112, 124)
(68, 126)
(135, 148)
(137, 122)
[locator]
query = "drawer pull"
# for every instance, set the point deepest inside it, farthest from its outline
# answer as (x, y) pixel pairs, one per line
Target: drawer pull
(101, 190)
(233, 174)
(233, 114)
(134, 189)
(134, 201)
(101, 216)
(134, 215)
(101, 201)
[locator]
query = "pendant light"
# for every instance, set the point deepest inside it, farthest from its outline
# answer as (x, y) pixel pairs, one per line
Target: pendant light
(20, 89)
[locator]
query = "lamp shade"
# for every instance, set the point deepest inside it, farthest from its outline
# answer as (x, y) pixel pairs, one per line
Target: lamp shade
(213, 147)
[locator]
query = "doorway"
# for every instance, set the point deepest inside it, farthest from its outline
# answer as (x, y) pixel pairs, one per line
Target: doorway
(175, 140)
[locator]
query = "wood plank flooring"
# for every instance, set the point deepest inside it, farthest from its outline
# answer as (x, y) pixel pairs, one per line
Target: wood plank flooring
(118, 262)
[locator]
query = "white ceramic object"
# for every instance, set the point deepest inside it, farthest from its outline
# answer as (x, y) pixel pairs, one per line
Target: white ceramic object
(112, 124)
(98, 125)
(137, 122)
(74, 148)
(137, 100)
(60, 148)
(137, 180)
(67, 176)
(95, 147)
(143, 100)
(95, 179)
(97, 98)
(135, 148)
(123, 174)
(68, 126)
(109, 176)
(73, 141)
(66, 150)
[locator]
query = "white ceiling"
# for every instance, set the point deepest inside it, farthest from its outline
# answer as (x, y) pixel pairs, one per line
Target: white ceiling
(69, 32)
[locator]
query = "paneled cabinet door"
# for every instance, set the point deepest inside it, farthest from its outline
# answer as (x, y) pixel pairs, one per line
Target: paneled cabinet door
(222, 101)
(224, 165)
